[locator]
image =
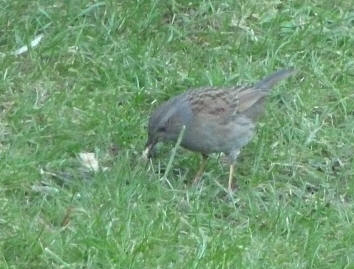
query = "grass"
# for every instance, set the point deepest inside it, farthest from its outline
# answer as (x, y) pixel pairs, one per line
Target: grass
(90, 85)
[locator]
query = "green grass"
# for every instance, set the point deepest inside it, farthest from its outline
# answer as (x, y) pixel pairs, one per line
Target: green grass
(90, 85)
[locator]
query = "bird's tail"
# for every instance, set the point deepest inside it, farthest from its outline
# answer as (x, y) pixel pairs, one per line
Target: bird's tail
(268, 82)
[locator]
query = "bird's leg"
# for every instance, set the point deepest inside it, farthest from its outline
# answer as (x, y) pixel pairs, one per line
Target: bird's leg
(232, 157)
(230, 177)
(200, 172)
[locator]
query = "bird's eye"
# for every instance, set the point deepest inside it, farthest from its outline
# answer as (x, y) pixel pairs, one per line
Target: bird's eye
(161, 129)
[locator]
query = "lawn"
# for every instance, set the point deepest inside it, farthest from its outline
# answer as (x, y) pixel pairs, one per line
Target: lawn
(88, 85)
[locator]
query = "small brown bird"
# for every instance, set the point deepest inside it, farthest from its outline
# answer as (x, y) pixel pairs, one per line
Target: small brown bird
(216, 119)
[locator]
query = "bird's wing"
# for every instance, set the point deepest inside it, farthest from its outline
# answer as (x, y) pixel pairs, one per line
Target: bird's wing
(248, 97)
(213, 102)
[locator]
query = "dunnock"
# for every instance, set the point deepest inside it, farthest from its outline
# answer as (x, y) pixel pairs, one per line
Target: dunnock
(216, 119)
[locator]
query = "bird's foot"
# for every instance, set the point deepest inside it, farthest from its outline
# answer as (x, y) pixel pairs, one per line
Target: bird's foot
(233, 188)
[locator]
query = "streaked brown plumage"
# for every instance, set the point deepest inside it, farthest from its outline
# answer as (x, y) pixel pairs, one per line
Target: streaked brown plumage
(216, 119)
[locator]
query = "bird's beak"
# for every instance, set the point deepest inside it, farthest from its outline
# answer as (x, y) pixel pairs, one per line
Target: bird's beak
(148, 150)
